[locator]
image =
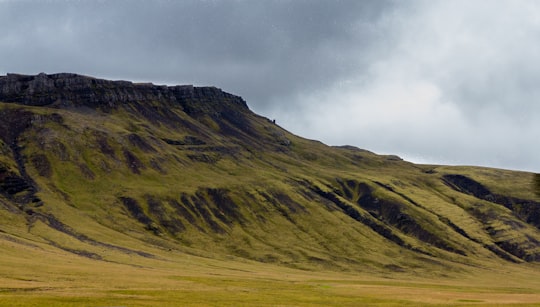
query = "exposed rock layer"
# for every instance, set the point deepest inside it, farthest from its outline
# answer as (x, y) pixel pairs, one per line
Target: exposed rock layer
(67, 89)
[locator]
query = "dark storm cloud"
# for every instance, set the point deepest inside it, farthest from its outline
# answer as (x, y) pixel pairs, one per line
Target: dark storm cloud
(254, 48)
(435, 81)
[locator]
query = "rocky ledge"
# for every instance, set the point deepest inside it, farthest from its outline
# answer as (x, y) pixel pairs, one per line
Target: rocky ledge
(66, 89)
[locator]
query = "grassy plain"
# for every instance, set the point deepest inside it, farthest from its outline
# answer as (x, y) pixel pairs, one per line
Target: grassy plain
(34, 274)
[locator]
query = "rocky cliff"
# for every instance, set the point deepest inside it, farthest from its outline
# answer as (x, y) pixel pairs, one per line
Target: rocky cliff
(65, 89)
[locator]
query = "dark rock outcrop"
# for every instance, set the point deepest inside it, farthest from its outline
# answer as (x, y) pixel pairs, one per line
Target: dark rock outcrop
(67, 89)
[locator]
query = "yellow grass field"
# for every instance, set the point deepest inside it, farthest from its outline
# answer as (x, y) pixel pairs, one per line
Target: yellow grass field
(38, 275)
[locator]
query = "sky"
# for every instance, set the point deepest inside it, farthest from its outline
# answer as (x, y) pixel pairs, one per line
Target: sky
(446, 82)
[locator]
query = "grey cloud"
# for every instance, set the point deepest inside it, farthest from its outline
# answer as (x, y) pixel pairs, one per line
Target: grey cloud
(483, 54)
(465, 71)
(256, 49)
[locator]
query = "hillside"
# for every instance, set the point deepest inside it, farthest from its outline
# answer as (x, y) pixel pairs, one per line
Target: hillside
(116, 173)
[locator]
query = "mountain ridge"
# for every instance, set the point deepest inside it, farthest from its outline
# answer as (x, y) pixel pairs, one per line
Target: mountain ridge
(67, 89)
(194, 170)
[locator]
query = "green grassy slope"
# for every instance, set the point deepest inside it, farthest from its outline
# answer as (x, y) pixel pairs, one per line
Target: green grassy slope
(205, 183)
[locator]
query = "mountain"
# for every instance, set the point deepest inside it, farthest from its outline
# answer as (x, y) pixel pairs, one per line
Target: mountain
(130, 173)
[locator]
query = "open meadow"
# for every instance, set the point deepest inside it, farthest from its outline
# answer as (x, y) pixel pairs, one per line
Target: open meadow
(48, 277)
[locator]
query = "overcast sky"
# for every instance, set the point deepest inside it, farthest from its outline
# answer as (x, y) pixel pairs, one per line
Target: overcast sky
(447, 82)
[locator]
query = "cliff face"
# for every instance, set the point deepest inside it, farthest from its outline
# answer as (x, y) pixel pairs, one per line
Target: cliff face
(64, 89)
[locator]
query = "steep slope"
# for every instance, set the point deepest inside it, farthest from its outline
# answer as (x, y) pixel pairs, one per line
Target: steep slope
(110, 170)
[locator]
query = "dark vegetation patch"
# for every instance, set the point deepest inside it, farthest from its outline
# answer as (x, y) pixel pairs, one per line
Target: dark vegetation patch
(25, 289)
(41, 119)
(51, 221)
(510, 241)
(207, 196)
(210, 154)
(103, 144)
(58, 149)
(78, 252)
(227, 209)
(157, 114)
(84, 253)
(243, 136)
(261, 213)
(133, 163)
(11, 184)
(137, 212)
(521, 249)
(381, 229)
(229, 113)
(466, 185)
(522, 246)
(155, 163)
(86, 171)
(56, 118)
(104, 166)
(16, 188)
(284, 199)
(204, 158)
(182, 211)
(201, 205)
(526, 210)
(140, 143)
(456, 228)
(193, 140)
(501, 253)
(390, 213)
(407, 224)
(391, 189)
(13, 123)
(394, 213)
(394, 268)
(311, 196)
(10, 206)
(223, 108)
(283, 203)
(238, 119)
(443, 219)
(278, 206)
(42, 165)
(188, 140)
(11, 238)
(169, 221)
